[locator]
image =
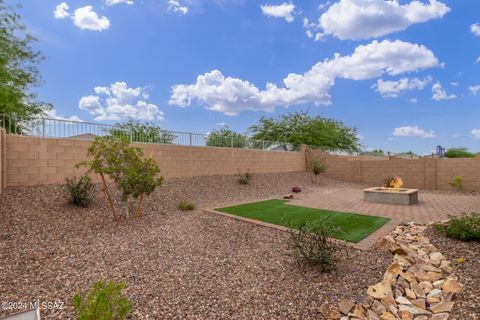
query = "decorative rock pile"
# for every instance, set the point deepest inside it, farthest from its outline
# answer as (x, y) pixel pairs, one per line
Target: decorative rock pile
(418, 285)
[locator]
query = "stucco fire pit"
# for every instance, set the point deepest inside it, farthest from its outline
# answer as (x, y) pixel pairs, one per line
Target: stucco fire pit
(391, 196)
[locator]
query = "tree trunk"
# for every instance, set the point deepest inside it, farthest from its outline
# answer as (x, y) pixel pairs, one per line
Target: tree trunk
(138, 212)
(109, 199)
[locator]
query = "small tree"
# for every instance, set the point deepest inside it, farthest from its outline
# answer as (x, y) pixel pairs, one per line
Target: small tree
(133, 174)
(134, 131)
(226, 138)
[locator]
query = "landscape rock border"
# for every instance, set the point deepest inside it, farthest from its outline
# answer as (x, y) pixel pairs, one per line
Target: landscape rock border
(419, 284)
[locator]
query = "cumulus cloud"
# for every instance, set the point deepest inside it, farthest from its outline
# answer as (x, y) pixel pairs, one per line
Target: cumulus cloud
(61, 11)
(440, 94)
(413, 131)
(52, 114)
(363, 19)
(392, 89)
(87, 19)
(119, 102)
(231, 95)
(476, 133)
(114, 2)
(174, 5)
(475, 28)
(474, 89)
(284, 10)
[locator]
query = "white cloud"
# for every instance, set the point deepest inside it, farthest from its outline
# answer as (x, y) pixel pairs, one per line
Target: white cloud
(61, 11)
(114, 2)
(476, 133)
(478, 60)
(440, 94)
(363, 19)
(174, 5)
(413, 131)
(120, 102)
(284, 10)
(392, 89)
(413, 100)
(231, 95)
(52, 114)
(221, 124)
(86, 18)
(474, 89)
(475, 28)
(454, 84)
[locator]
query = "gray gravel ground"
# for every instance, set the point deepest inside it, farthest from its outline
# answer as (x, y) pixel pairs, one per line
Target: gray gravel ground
(468, 272)
(176, 265)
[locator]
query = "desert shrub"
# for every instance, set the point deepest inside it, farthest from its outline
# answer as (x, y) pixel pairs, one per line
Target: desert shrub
(296, 189)
(185, 205)
(81, 191)
(318, 166)
(245, 177)
(458, 153)
(105, 301)
(312, 242)
(466, 227)
(457, 183)
(133, 174)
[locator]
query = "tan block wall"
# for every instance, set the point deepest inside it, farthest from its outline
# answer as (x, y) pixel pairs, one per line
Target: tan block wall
(3, 159)
(427, 173)
(35, 160)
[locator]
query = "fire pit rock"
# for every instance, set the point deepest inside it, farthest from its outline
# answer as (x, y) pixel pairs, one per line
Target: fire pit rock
(400, 196)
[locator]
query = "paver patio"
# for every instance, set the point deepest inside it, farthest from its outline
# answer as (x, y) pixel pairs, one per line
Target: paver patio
(433, 205)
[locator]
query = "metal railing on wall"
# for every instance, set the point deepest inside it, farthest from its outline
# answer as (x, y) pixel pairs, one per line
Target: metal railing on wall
(81, 130)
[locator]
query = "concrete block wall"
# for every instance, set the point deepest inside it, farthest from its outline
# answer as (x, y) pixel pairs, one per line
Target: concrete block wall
(3, 160)
(35, 160)
(427, 173)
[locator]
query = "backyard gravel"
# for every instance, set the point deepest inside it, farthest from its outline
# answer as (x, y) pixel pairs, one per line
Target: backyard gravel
(468, 272)
(176, 265)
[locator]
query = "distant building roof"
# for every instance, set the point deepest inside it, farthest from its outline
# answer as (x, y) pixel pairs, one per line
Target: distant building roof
(84, 136)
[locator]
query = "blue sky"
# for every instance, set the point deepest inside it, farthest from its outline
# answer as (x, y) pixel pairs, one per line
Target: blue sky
(404, 74)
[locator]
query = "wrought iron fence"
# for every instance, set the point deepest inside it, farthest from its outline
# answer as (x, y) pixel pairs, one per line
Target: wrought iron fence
(80, 130)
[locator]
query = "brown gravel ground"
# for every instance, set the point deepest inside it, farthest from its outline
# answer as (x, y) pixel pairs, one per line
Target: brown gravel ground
(468, 272)
(176, 265)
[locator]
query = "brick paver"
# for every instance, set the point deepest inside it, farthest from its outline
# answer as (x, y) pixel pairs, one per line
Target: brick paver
(348, 197)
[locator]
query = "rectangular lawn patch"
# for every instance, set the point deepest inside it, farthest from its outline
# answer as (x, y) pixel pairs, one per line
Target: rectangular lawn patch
(355, 226)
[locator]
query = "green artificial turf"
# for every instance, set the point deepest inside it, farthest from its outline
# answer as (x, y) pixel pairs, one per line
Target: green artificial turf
(354, 226)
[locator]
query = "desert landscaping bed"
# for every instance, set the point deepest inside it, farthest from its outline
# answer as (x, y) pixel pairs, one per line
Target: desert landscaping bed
(466, 263)
(174, 264)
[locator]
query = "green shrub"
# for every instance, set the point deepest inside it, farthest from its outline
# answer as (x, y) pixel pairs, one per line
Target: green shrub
(465, 227)
(185, 205)
(458, 153)
(318, 166)
(105, 301)
(457, 183)
(313, 243)
(244, 178)
(81, 191)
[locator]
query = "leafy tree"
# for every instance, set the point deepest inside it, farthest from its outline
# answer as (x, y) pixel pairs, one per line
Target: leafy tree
(134, 131)
(458, 153)
(18, 70)
(226, 138)
(300, 128)
(132, 173)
